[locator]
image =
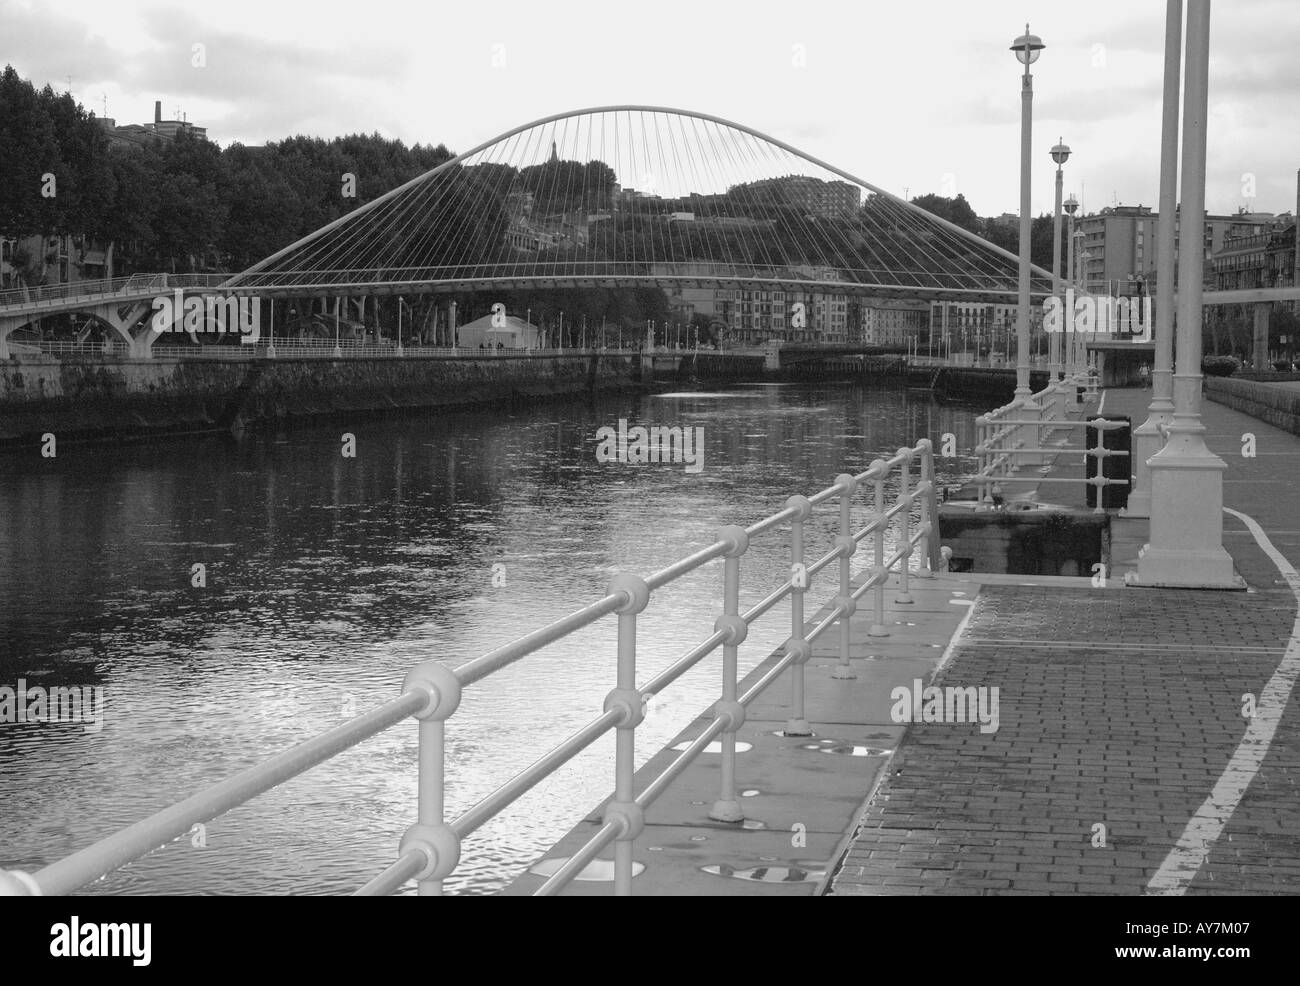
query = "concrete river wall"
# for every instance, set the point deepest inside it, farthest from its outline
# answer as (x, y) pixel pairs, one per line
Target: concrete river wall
(106, 397)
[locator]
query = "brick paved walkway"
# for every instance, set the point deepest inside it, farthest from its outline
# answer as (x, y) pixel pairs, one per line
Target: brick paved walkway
(1119, 708)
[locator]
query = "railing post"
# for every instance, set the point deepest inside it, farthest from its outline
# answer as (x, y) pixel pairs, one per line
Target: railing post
(929, 512)
(905, 522)
(631, 703)
(1098, 454)
(878, 622)
(431, 834)
(727, 807)
(846, 546)
(797, 724)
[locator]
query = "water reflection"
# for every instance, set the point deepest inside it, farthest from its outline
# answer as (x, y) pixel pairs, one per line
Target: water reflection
(325, 578)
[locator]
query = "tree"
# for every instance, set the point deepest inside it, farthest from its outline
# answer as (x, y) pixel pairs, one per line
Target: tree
(956, 210)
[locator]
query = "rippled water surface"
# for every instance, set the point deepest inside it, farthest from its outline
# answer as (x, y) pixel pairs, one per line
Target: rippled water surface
(327, 578)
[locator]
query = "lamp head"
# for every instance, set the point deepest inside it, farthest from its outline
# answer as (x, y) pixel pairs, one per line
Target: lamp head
(1060, 153)
(1027, 47)
(1071, 205)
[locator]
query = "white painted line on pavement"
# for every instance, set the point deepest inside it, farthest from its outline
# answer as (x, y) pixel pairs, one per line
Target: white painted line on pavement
(1186, 858)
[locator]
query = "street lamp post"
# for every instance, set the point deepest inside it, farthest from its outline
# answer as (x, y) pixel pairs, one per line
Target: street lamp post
(1186, 546)
(1060, 154)
(1080, 343)
(1071, 206)
(1027, 48)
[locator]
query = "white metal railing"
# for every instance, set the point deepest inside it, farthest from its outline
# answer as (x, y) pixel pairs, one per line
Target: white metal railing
(1011, 437)
(297, 349)
(430, 849)
(52, 295)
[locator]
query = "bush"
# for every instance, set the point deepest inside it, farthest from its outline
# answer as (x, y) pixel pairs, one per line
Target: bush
(1219, 366)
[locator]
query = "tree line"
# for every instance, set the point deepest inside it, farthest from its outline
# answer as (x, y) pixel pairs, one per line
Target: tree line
(183, 204)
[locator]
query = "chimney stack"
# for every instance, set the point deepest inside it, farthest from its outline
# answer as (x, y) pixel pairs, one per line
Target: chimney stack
(157, 111)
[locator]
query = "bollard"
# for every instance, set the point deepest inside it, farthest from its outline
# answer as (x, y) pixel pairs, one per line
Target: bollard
(727, 807)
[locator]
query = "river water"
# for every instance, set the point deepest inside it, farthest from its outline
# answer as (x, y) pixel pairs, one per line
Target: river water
(327, 577)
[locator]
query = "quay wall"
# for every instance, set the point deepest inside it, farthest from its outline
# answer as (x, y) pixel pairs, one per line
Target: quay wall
(114, 398)
(1279, 406)
(993, 385)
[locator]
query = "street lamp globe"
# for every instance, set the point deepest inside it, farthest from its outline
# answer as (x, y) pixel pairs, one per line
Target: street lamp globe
(1071, 205)
(1027, 47)
(1060, 153)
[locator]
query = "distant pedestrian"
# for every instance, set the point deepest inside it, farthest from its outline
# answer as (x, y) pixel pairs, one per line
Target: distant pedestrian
(1144, 371)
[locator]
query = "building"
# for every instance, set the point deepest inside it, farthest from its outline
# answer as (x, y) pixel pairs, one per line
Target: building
(53, 259)
(1258, 259)
(138, 133)
(481, 333)
(750, 316)
(1119, 242)
(812, 196)
(971, 326)
(892, 323)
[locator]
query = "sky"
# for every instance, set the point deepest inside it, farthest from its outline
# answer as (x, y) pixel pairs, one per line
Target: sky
(914, 96)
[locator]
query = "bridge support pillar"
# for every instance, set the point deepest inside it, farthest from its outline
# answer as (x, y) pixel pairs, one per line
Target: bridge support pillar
(7, 327)
(140, 342)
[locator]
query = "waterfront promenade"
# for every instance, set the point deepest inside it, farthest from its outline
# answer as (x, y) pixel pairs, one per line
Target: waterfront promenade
(1122, 762)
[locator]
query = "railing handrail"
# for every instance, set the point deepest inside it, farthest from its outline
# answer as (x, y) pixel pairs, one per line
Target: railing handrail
(431, 692)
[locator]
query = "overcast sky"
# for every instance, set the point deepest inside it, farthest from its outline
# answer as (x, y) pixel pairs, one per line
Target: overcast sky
(920, 95)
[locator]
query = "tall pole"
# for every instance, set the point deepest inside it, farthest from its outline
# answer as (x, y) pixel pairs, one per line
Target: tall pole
(1186, 546)
(1069, 283)
(1022, 308)
(1147, 437)
(1055, 345)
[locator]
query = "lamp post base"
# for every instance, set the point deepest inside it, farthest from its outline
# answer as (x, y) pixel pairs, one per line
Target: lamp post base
(1186, 547)
(1030, 436)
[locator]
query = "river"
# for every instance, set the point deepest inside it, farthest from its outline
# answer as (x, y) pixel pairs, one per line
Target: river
(327, 577)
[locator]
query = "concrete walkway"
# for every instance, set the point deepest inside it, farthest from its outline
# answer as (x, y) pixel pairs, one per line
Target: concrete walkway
(1121, 712)
(801, 795)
